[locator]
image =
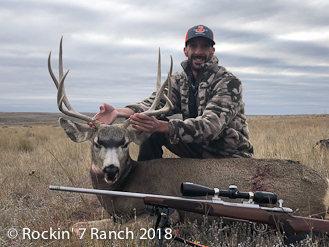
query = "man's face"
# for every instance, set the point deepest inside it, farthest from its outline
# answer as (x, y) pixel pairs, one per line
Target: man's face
(198, 51)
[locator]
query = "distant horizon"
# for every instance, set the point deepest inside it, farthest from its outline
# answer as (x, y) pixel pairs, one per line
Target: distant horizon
(248, 115)
(85, 107)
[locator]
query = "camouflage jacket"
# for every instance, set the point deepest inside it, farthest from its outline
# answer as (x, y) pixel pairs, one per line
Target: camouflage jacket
(220, 127)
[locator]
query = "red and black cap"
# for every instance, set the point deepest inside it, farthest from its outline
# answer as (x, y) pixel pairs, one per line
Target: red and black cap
(200, 31)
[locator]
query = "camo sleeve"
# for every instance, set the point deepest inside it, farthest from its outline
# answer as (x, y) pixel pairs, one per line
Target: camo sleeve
(145, 104)
(222, 103)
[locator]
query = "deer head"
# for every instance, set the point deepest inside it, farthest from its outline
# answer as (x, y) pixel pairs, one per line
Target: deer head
(109, 149)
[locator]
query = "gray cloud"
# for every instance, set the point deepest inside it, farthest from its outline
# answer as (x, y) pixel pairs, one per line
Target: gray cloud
(277, 48)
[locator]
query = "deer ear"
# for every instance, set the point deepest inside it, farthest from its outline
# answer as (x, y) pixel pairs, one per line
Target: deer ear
(137, 136)
(76, 131)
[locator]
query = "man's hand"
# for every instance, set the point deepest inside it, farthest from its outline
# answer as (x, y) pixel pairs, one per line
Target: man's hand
(106, 115)
(148, 124)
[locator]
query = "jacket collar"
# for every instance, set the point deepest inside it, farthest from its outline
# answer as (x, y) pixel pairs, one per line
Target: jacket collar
(210, 66)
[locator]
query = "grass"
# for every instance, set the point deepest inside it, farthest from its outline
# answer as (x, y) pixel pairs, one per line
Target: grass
(34, 155)
(291, 137)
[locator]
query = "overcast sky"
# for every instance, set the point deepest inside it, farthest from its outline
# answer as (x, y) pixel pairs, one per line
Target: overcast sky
(278, 49)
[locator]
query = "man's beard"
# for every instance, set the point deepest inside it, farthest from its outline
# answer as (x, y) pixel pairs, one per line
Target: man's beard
(196, 61)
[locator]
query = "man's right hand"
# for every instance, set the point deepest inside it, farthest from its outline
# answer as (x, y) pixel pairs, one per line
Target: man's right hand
(106, 115)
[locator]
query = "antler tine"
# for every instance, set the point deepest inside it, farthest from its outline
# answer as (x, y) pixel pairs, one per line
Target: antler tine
(65, 100)
(61, 95)
(159, 92)
(51, 71)
(60, 60)
(168, 106)
(61, 73)
(159, 72)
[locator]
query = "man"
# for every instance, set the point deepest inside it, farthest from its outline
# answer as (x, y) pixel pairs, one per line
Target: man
(210, 101)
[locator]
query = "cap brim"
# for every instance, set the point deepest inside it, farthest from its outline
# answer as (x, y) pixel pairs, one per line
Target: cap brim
(211, 42)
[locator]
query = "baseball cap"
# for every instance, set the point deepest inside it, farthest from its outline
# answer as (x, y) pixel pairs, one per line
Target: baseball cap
(200, 31)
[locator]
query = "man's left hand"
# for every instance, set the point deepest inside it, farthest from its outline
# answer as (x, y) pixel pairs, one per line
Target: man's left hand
(148, 124)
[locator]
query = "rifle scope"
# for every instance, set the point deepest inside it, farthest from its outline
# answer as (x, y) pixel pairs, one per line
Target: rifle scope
(190, 189)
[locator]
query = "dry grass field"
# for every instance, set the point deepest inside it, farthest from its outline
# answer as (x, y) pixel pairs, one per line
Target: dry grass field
(34, 155)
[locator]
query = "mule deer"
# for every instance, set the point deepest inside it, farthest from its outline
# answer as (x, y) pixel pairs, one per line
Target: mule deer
(301, 187)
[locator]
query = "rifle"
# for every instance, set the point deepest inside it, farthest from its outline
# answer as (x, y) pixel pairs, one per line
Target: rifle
(295, 228)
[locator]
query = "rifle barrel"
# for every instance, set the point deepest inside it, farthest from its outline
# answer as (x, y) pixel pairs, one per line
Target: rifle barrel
(107, 192)
(119, 193)
(162, 197)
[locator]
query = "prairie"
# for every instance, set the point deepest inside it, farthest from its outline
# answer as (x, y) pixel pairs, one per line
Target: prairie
(35, 153)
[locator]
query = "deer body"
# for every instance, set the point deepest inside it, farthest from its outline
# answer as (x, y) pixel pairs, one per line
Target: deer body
(300, 187)
(112, 168)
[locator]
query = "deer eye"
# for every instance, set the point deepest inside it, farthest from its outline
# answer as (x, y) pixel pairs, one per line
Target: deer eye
(125, 145)
(97, 146)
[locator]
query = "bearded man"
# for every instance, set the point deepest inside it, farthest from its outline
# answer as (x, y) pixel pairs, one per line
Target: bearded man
(209, 97)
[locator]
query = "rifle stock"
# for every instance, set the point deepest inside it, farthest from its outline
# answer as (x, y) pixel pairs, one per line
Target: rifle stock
(290, 224)
(305, 224)
(215, 209)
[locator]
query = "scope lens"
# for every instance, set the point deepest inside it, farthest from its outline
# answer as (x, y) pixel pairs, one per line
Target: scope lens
(265, 197)
(190, 189)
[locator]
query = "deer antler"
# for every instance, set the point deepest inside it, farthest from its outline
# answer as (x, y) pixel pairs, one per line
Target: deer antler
(159, 93)
(61, 95)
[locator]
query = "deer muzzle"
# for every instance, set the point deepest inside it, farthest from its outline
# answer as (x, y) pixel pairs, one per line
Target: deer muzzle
(111, 173)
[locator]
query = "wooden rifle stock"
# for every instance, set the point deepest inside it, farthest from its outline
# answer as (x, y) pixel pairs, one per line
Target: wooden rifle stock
(214, 209)
(291, 225)
(304, 224)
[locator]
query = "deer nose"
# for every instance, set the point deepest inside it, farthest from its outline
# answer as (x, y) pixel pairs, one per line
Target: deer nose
(111, 171)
